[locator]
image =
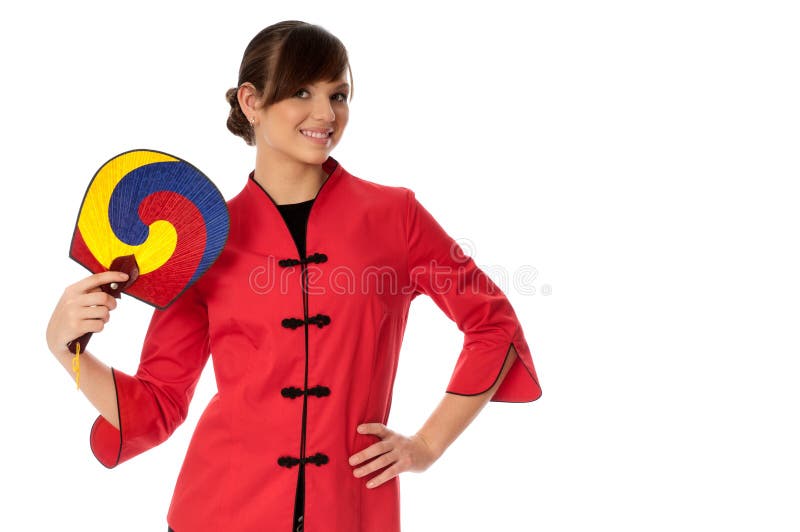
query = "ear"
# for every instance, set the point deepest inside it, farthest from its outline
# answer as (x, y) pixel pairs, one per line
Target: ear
(248, 99)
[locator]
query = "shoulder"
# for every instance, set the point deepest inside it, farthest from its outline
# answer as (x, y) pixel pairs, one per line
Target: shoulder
(381, 192)
(392, 202)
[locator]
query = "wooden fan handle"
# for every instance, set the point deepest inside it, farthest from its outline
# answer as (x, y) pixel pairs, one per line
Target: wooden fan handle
(126, 264)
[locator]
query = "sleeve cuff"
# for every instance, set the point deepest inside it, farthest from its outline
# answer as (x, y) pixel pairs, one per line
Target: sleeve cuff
(478, 370)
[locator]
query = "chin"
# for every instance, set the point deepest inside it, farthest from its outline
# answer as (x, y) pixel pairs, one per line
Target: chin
(317, 157)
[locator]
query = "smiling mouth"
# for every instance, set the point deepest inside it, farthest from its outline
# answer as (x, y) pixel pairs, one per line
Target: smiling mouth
(317, 135)
(321, 142)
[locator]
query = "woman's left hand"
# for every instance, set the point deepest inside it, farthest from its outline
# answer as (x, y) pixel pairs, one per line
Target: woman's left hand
(399, 452)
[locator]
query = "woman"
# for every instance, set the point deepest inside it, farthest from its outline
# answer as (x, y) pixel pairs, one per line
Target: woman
(304, 312)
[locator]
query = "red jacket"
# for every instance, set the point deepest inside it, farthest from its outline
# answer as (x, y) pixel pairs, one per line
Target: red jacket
(371, 250)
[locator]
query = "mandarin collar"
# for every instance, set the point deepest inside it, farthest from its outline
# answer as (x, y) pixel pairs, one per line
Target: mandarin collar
(262, 212)
(330, 165)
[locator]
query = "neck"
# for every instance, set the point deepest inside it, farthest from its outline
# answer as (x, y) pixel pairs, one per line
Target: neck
(288, 180)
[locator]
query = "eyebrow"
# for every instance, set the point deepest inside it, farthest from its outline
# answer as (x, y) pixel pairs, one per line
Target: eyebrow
(343, 86)
(340, 86)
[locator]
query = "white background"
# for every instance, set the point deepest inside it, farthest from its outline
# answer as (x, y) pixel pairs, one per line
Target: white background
(640, 156)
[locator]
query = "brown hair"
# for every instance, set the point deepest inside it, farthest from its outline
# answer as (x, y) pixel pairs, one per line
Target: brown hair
(279, 60)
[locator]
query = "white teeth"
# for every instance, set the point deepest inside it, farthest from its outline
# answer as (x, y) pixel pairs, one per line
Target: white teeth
(315, 134)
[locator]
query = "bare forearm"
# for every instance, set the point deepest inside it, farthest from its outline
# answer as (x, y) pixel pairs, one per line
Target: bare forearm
(455, 412)
(96, 383)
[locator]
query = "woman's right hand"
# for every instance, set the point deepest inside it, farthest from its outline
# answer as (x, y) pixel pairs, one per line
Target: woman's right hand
(83, 307)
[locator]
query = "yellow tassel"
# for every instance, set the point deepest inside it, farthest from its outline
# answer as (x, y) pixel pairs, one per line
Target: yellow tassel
(76, 365)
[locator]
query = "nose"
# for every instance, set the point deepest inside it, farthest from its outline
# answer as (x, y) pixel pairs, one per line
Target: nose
(323, 111)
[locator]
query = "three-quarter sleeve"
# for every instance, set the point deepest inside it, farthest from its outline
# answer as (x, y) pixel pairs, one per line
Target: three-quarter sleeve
(438, 267)
(155, 401)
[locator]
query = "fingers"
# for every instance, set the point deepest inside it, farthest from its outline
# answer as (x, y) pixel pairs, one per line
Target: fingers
(88, 319)
(94, 281)
(389, 452)
(70, 325)
(83, 308)
(99, 312)
(379, 463)
(96, 298)
(89, 325)
(370, 452)
(378, 429)
(387, 474)
(395, 453)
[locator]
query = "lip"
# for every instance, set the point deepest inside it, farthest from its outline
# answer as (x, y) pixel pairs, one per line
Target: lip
(320, 142)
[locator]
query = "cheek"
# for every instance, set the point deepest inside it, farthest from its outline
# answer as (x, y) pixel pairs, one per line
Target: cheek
(268, 135)
(278, 131)
(341, 122)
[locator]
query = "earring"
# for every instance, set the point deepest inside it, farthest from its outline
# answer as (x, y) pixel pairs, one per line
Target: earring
(253, 121)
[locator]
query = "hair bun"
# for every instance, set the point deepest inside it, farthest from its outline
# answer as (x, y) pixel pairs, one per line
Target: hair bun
(232, 96)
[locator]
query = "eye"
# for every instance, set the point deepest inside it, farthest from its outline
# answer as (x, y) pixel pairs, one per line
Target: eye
(343, 95)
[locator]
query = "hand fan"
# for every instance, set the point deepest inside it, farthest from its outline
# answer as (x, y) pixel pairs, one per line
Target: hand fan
(155, 217)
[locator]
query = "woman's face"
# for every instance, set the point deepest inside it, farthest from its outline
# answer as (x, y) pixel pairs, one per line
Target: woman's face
(320, 106)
